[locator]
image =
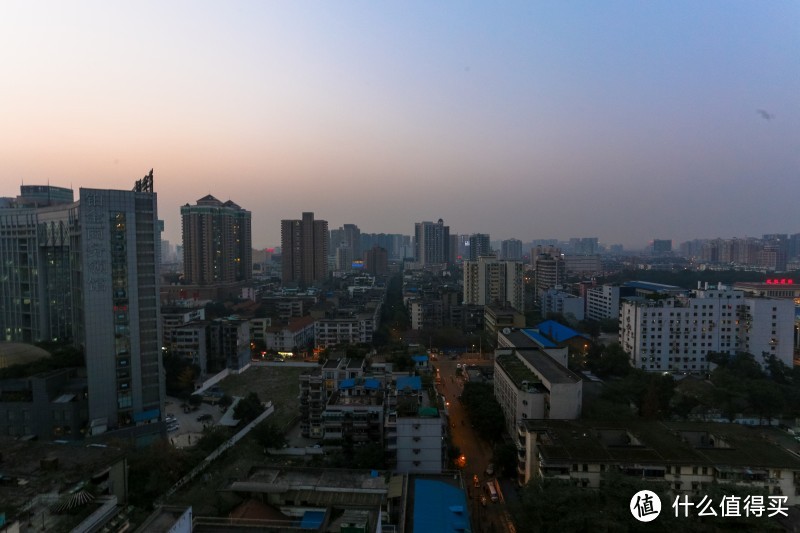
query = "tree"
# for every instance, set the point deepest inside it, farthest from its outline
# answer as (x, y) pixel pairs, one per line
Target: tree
(607, 361)
(248, 408)
(483, 410)
(505, 459)
(269, 436)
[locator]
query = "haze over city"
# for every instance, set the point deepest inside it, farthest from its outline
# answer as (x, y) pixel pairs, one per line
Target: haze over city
(623, 120)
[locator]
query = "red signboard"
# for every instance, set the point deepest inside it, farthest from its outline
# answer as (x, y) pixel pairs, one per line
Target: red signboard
(780, 281)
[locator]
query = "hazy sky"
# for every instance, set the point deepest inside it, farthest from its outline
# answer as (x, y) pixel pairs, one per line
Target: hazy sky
(627, 121)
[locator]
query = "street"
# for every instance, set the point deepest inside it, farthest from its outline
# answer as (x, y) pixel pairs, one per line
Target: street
(476, 451)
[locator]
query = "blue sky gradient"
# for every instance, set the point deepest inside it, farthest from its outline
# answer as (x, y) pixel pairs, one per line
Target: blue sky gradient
(623, 120)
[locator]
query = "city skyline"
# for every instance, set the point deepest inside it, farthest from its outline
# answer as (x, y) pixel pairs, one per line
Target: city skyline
(622, 120)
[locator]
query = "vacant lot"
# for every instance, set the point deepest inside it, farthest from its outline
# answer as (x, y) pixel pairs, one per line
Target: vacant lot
(280, 385)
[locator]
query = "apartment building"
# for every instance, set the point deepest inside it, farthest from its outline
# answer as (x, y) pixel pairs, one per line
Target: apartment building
(689, 457)
(414, 428)
(217, 242)
(556, 300)
(304, 243)
(602, 302)
(675, 334)
(489, 281)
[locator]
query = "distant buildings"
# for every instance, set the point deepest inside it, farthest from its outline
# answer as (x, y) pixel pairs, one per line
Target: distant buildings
(348, 235)
(217, 242)
(304, 245)
(662, 246)
(511, 250)
(479, 246)
(432, 242)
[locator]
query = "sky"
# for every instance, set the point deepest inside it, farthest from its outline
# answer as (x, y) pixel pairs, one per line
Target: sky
(626, 121)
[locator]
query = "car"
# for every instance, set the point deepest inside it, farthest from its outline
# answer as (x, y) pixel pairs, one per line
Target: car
(475, 481)
(205, 418)
(173, 427)
(490, 469)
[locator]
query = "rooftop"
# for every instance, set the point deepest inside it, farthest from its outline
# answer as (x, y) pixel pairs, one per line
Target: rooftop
(516, 369)
(548, 367)
(650, 286)
(412, 382)
(35, 467)
(277, 480)
(439, 507)
(557, 332)
(642, 442)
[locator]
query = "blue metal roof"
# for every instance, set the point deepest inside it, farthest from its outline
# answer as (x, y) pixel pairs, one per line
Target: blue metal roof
(412, 382)
(371, 383)
(347, 383)
(439, 508)
(420, 358)
(538, 338)
(312, 519)
(557, 332)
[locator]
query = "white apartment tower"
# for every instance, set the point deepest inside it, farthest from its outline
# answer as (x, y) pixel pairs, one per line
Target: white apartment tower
(676, 334)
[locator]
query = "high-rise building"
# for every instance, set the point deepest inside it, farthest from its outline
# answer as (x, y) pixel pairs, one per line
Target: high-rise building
(347, 235)
(549, 267)
(583, 245)
(511, 250)
(376, 261)
(489, 281)
(36, 266)
(304, 245)
(662, 246)
(120, 305)
(479, 246)
(432, 242)
(217, 243)
(87, 271)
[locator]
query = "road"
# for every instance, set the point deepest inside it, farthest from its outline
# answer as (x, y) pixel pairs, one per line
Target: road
(477, 452)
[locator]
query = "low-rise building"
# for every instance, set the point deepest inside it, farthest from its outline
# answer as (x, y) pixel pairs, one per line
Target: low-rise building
(354, 412)
(530, 384)
(688, 457)
(414, 428)
(297, 335)
(558, 301)
(48, 405)
(496, 318)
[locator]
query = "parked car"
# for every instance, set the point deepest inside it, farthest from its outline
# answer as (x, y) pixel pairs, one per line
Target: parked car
(205, 418)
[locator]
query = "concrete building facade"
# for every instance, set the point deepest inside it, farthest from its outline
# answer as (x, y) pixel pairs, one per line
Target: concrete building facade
(217, 242)
(489, 281)
(677, 333)
(304, 245)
